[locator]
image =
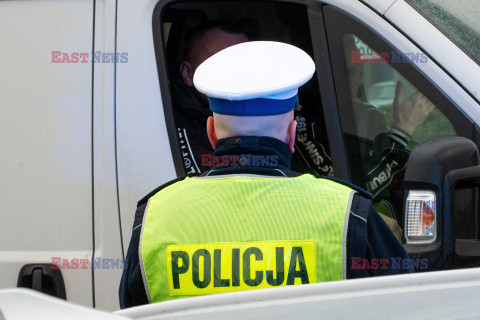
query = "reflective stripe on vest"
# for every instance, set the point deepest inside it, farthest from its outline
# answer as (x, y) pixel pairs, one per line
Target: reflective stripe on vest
(229, 233)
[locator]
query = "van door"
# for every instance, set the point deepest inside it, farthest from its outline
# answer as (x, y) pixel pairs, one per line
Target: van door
(364, 47)
(46, 141)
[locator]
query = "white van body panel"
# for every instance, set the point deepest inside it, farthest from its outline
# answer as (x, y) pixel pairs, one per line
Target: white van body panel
(21, 304)
(46, 135)
(381, 6)
(433, 295)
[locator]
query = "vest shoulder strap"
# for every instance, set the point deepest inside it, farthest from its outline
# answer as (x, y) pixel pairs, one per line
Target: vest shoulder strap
(157, 189)
(361, 191)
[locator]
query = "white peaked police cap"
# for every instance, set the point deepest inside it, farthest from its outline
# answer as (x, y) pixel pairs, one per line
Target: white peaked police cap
(254, 78)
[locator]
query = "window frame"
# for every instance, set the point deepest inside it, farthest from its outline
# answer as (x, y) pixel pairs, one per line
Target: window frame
(163, 77)
(328, 94)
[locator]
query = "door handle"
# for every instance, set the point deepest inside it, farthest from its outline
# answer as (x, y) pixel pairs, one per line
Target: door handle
(41, 277)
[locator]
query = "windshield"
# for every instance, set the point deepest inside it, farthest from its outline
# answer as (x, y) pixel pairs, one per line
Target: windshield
(458, 20)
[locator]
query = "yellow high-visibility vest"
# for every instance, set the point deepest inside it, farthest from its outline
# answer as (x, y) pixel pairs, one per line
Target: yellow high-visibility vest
(218, 234)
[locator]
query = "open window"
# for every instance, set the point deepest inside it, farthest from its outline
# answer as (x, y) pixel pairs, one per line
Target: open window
(186, 111)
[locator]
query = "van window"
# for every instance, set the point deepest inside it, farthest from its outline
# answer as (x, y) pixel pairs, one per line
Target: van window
(374, 83)
(379, 85)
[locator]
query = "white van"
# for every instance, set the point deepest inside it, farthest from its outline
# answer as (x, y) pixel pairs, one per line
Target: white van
(82, 142)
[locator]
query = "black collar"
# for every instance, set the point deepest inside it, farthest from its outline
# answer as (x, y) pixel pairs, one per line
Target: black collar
(251, 155)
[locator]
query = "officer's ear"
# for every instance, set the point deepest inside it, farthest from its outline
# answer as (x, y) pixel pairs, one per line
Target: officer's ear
(186, 71)
(212, 136)
(292, 131)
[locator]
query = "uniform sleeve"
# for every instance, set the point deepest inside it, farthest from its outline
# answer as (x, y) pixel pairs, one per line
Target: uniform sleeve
(372, 249)
(132, 291)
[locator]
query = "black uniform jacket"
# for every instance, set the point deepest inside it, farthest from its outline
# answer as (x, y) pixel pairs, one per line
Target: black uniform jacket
(368, 240)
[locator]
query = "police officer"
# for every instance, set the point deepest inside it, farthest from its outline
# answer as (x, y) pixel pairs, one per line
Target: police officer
(250, 222)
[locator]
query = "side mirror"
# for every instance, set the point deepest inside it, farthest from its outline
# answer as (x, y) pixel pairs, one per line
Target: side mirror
(440, 219)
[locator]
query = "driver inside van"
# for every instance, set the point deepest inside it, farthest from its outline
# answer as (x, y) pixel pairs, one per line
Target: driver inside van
(190, 107)
(389, 154)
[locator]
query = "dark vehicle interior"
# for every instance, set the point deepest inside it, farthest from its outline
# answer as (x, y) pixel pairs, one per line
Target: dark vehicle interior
(273, 21)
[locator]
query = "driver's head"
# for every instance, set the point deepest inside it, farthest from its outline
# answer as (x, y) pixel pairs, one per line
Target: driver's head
(252, 90)
(206, 40)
